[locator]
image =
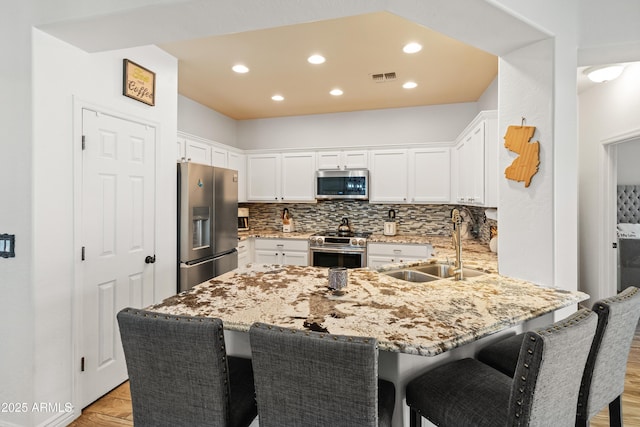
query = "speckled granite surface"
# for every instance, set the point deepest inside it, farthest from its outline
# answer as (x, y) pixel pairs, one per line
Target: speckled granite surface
(416, 318)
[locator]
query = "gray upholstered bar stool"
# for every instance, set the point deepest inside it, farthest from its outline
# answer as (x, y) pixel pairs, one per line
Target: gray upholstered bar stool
(179, 372)
(603, 378)
(307, 379)
(544, 391)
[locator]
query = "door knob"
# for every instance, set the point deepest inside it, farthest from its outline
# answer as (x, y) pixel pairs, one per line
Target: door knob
(150, 259)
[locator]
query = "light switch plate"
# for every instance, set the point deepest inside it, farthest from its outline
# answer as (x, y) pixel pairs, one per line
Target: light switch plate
(7, 245)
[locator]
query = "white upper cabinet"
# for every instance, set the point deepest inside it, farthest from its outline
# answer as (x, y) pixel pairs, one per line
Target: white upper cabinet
(347, 159)
(388, 177)
(430, 175)
(219, 157)
(180, 155)
(274, 177)
(475, 169)
(298, 171)
(238, 162)
(263, 177)
(197, 152)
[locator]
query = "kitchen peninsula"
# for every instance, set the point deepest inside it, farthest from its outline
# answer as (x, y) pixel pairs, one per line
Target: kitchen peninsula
(441, 319)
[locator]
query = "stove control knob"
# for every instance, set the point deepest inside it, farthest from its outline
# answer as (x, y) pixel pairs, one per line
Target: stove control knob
(361, 242)
(319, 240)
(354, 242)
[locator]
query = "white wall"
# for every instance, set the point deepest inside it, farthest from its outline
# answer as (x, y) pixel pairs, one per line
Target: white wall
(489, 98)
(609, 32)
(197, 119)
(16, 304)
(62, 74)
(628, 167)
(526, 82)
(439, 123)
(606, 111)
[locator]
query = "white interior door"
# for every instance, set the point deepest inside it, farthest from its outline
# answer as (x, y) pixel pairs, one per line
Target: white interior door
(118, 223)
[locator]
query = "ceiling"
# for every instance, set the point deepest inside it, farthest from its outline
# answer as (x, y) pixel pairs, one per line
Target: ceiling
(357, 47)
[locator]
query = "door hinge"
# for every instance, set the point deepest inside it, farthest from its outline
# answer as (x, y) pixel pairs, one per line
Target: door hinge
(82, 364)
(614, 245)
(83, 142)
(82, 254)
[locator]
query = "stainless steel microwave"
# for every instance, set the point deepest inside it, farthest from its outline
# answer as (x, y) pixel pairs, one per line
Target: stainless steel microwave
(342, 184)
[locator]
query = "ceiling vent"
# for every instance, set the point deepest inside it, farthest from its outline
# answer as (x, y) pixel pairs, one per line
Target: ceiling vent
(383, 77)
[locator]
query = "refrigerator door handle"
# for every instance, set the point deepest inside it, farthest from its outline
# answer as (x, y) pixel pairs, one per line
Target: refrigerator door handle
(190, 264)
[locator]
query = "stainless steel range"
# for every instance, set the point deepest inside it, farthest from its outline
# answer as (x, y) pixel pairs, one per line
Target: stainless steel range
(338, 249)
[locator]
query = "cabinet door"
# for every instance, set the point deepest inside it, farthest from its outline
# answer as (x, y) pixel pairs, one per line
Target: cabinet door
(376, 261)
(298, 176)
(263, 177)
(295, 258)
(476, 165)
(181, 149)
(238, 162)
(430, 175)
(267, 257)
(355, 159)
(198, 152)
(219, 157)
(329, 160)
(460, 171)
(388, 176)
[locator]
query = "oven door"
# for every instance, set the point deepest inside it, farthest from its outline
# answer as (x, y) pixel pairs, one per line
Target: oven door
(328, 257)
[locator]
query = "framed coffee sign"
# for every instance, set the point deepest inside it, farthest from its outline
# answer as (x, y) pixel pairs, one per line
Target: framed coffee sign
(138, 83)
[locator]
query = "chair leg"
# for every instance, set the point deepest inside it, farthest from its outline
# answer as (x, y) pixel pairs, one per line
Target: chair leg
(615, 413)
(415, 419)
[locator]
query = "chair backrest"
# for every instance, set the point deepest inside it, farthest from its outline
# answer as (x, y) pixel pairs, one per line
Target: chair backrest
(550, 366)
(177, 369)
(603, 380)
(313, 379)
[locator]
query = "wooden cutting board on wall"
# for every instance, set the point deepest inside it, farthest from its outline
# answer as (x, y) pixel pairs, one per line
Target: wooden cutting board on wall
(525, 166)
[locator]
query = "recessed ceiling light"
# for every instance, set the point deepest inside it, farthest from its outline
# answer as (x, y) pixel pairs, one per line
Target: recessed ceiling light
(412, 47)
(604, 74)
(336, 92)
(239, 68)
(316, 59)
(277, 98)
(410, 85)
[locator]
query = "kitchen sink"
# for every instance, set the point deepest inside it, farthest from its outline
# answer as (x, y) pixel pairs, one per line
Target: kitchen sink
(429, 273)
(442, 270)
(411, 276)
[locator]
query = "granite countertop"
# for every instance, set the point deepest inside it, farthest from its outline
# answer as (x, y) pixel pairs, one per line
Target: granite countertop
(416, 318)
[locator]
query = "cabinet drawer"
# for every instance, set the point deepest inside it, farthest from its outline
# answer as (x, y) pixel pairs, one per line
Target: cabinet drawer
(390, 249)
(282, 244)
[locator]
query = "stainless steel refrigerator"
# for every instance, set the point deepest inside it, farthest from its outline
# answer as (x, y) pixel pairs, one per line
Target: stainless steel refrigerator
(207, 223)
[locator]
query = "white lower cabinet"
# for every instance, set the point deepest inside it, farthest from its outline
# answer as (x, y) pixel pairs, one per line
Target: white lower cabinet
(282, 251)
(380, 254)
(244, 252)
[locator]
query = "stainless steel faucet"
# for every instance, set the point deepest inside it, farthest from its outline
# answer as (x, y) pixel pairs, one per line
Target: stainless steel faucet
(456, 271)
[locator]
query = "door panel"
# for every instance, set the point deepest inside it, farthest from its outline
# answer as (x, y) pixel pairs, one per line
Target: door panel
(118, 226)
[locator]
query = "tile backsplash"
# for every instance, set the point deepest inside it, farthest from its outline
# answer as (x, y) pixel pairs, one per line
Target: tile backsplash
(363, 216)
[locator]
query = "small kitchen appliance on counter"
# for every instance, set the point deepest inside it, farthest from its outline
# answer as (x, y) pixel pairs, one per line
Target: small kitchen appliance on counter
(390, 224)
(243, 219)
(287, 221)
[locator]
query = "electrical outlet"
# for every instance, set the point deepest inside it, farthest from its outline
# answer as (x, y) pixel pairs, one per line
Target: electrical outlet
(7, 245)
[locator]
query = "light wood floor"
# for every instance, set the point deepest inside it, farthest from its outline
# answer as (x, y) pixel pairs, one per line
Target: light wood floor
(114, 409)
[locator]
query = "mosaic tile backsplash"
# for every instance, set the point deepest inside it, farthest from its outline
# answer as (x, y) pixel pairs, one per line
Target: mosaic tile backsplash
(363, 216)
